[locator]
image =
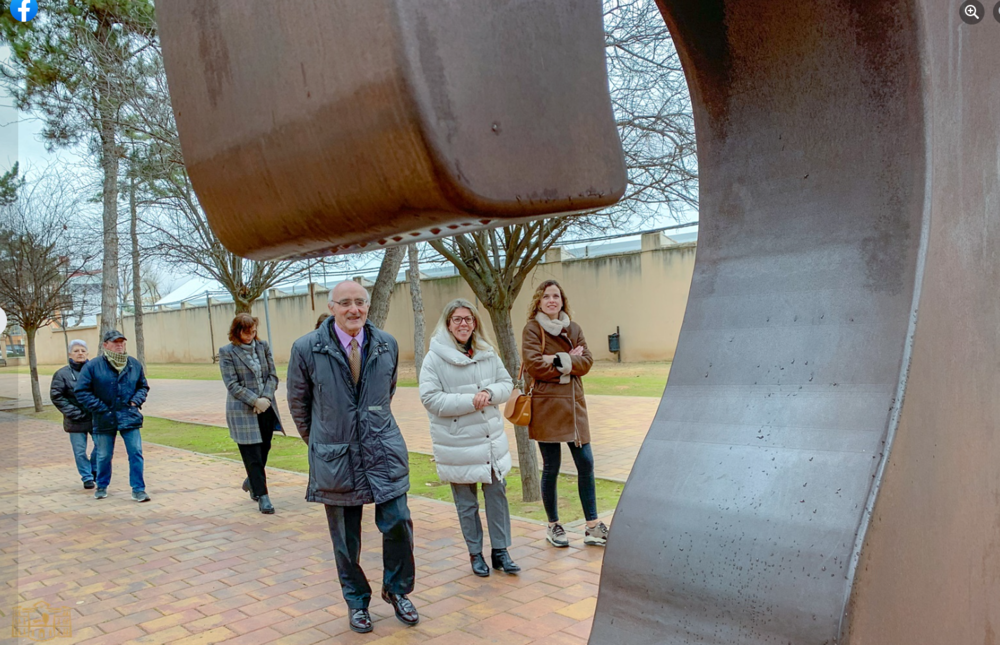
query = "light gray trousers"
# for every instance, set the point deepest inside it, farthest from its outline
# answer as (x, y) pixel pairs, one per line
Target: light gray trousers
(497, 514)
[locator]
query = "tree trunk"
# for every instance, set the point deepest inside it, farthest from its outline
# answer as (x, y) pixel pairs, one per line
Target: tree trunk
(526, 454)
(243, 307)
(109, 275)
(418, 307)
(382, 291)
(140, 342)
(36, 392)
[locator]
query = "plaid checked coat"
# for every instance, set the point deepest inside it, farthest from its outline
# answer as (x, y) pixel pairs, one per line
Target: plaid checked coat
(242, 385)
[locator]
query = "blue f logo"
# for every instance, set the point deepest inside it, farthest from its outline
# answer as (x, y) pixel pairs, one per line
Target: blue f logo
(23, 10)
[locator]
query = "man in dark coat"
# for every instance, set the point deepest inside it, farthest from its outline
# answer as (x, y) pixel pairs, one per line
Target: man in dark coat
(341, 379)
(113, 387)
(76, 419)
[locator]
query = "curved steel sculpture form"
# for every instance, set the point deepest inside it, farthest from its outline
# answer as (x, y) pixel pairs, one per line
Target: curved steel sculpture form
(823, 467)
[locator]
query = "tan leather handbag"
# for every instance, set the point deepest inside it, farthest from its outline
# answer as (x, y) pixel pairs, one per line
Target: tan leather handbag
(518, 408)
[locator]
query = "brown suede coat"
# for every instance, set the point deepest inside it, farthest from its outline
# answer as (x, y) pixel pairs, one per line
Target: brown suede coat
(558, 410)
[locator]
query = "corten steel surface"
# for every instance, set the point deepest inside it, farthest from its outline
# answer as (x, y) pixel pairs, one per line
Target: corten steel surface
(824, 465)
(317, 126)
(848, 258)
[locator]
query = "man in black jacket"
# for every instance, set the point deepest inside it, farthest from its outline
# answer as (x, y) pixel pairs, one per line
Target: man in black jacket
(76, 419)
(113, 387)
(341, 379)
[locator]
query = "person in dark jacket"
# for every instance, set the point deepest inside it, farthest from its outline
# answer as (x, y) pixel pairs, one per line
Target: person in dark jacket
(341, 380)
(76, 419)
(113, 387)
(251, 410)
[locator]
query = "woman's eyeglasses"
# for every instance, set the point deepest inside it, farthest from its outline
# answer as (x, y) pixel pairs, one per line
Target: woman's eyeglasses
(457, 320)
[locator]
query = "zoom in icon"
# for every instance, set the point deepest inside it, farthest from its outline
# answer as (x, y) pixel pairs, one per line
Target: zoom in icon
(972, 12)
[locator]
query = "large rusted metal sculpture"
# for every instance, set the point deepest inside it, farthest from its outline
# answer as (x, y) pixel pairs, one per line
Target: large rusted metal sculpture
(825, 464)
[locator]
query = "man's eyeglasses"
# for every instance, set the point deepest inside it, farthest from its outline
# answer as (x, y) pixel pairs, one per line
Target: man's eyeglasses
(457, 320)
(348, 302)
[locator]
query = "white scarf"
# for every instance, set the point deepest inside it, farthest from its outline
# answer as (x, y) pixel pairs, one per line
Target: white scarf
(554, 327)
(557, 327)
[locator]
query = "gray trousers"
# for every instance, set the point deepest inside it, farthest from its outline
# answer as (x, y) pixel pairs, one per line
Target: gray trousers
(497, 514)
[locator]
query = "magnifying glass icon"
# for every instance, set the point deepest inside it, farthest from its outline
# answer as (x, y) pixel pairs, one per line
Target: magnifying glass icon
(971, 12)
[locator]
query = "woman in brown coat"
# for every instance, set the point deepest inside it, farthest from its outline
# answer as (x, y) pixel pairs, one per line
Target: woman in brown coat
(555, 355)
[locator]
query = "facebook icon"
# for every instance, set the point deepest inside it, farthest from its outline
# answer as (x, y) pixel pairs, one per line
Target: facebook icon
(23, 10)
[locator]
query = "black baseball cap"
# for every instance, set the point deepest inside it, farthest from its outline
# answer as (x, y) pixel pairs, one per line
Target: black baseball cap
(113, 334)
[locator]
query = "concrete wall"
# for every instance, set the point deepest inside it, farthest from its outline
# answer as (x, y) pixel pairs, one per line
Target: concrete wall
(643, 292)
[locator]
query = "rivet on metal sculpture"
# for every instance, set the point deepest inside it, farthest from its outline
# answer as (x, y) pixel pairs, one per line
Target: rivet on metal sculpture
(823, 467)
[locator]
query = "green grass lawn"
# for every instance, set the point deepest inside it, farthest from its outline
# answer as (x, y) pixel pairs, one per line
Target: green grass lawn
(621, 379)
(289, 453)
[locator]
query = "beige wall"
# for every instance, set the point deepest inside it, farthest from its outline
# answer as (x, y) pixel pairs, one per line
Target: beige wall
(643, 292)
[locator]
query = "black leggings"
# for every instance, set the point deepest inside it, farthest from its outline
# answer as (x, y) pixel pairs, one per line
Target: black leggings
(583, 457)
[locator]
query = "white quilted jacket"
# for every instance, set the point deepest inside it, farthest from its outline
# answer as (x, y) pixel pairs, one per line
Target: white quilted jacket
(468, 443)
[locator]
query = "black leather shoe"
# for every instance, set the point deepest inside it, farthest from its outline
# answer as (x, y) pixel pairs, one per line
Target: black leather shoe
(264, 504)
(502, 562)
(246, 488)
(361, 621)
(405, 611)
(479, 565)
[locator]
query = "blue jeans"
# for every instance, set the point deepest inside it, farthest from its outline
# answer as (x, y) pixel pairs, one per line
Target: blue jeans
(583, 457)
(85, 465)
(104, 446)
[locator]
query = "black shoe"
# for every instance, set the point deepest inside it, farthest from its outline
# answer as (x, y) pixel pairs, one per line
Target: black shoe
(405, 611)
(502, 562)
(264, 504)
(246, 488)
(89, 485)
(479, 565)
(361, 621)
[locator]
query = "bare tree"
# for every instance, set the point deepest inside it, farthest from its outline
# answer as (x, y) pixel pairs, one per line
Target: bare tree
(417, 298)
(73, 67)
(652, 108)
(385, 282)
(38, 257)
(140, 337)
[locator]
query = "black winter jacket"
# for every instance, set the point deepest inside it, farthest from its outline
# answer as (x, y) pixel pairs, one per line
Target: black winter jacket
(75, 417)
(110, 395)
(356, 453)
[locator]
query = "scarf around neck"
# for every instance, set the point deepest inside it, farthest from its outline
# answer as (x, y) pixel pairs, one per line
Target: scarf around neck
(554, 327)
(118, 361)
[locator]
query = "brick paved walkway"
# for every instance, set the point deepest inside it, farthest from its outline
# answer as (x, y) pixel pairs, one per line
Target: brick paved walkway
(618, 423)
(199, 564)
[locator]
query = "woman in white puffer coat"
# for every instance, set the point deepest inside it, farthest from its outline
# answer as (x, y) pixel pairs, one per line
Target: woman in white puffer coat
(463, 383)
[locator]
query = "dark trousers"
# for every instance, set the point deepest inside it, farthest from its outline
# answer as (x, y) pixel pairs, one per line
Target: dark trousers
(583, 457)
(393, 520)
(255, 454)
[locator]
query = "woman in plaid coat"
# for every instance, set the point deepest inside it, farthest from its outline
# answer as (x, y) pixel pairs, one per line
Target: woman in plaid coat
(251, 411)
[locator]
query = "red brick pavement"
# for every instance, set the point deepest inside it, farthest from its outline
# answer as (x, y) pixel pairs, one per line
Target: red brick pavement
(199, 564)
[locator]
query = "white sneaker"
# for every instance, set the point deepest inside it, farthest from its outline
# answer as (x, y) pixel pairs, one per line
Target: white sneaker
(556, 535)
(597, 536)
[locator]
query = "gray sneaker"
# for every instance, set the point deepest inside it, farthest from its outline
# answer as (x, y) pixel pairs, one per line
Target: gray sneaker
(597, 536)
(556, 535)
(101, 493)
(140, 496)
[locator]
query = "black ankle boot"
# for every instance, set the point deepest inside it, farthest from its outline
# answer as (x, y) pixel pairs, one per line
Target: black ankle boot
(479, 565)
(502, 561)
(264, 504)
